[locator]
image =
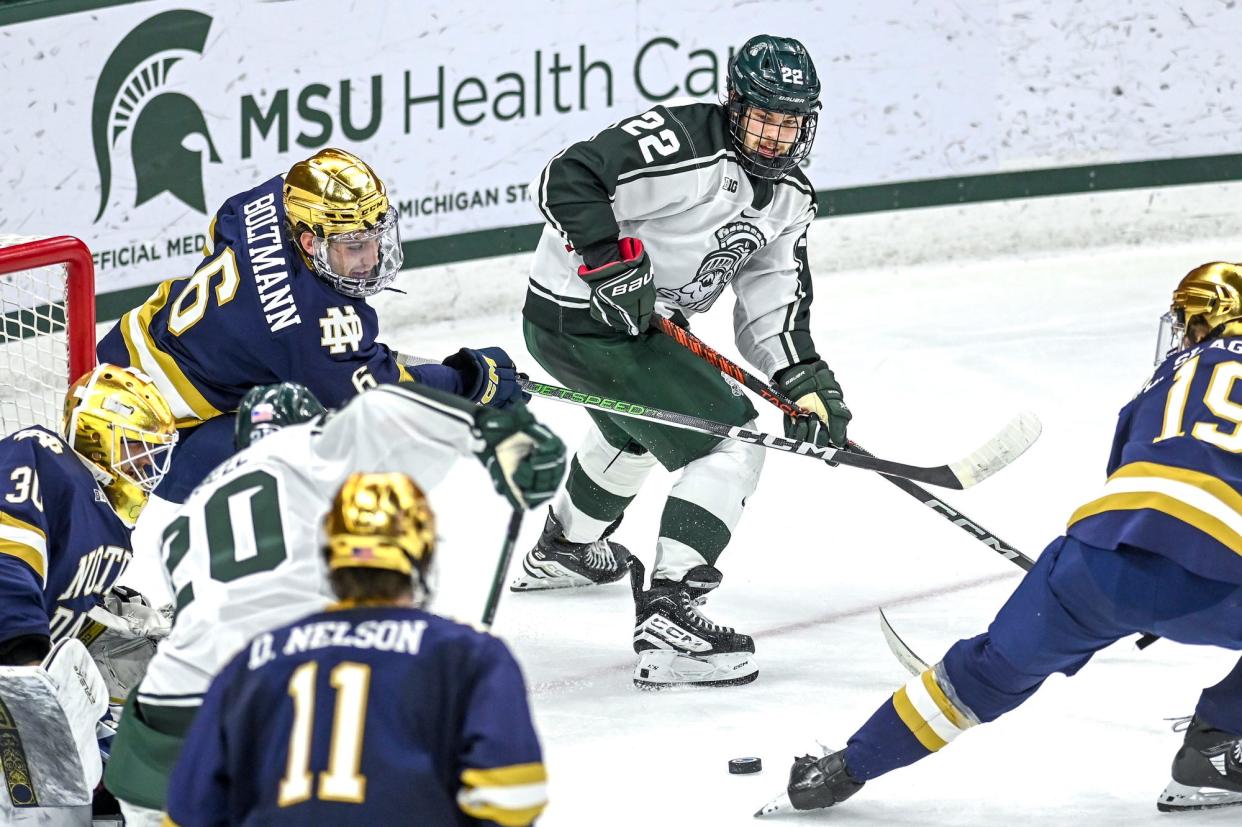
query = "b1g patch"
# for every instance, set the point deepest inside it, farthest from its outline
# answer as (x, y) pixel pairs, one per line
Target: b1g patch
(340, 330)
(738, 242)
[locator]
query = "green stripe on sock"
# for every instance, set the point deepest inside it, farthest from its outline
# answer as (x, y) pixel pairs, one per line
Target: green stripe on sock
(590, 499)
(695, 526)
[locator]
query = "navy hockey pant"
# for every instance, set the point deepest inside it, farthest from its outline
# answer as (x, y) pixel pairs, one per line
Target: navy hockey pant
(1077, 600)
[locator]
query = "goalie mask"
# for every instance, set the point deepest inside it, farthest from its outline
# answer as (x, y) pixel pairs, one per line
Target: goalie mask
(342, 203)
(382, 521)
(118, 421)
(772, 104)
(1206, 303)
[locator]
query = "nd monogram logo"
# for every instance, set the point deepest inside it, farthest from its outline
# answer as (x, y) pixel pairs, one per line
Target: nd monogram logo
(341, 331)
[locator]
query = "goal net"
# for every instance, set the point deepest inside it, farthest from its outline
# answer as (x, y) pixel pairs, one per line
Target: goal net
(47, 305)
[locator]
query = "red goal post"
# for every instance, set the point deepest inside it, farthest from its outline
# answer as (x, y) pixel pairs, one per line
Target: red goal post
(47, 326)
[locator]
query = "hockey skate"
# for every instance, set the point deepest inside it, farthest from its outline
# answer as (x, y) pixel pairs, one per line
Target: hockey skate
(1207, 771)
(814, 783)
(676, 644)
(556, 563)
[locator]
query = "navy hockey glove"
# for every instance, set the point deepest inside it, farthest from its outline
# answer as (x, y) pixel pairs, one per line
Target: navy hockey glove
(623, 293)
(814, 388)
(488, 376)
(525, 460)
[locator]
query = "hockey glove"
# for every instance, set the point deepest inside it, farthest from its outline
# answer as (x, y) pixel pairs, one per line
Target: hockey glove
(525, 460)
(623, 293)
(814, 388)
(488, 375)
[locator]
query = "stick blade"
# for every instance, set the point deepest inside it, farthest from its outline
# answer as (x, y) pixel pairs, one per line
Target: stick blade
(779, 804)
(904, 654)
(1007, 445)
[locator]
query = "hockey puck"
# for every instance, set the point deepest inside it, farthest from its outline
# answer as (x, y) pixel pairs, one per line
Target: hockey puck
(744, 766)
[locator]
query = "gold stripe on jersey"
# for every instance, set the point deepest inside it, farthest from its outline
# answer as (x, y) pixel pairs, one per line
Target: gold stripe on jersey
(189, 406)
(511, 796)
(24, 541)
(403, 375)
(927, 712)
(1199, 500)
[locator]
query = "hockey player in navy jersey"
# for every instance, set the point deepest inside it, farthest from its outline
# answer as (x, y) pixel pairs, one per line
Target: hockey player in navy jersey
(281, 295)
(67, 506)
(374, 711)
(1159, 550)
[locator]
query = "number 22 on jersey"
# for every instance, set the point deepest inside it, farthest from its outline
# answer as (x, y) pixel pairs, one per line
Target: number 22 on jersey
(1217, 400)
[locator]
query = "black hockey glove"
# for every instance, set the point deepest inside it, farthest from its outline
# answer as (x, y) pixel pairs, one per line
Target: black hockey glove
(623, 293)
(820, 782)
(488, 376)
(525, 460)
(813, 387)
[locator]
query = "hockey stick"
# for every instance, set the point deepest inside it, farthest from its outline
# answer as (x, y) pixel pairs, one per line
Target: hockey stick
(904, 654)
(502, 567)
(787, 406)
(993, 455)
(696, 346)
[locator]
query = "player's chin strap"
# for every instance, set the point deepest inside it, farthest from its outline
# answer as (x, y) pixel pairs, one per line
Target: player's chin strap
(787, 406)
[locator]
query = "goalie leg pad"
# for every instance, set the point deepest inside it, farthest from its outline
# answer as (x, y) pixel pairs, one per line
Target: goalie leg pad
(51, 713)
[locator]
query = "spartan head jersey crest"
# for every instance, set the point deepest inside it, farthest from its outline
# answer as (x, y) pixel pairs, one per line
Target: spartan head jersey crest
(671, 178)
(738, 242)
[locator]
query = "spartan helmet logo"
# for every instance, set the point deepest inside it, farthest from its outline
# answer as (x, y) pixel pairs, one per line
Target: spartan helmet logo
(128, 100)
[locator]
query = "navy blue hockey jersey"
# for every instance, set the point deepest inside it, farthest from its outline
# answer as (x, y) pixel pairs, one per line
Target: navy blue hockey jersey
(252, 314)
(61, 544)
(1175, 474)
(378, 715)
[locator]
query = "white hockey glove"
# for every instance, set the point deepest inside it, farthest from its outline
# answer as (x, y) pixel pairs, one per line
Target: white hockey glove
(122, 637)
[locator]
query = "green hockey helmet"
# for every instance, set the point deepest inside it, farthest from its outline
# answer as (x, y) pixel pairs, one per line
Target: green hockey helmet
(266, 409)
(772, 101)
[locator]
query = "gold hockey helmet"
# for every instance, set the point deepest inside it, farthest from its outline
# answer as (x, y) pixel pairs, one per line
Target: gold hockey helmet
(119, 422)
(338, 198)
(381, 521)
(1209, 299)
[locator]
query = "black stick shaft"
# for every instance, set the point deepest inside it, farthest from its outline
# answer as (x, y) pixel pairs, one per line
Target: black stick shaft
(787, 406)
(502, 566)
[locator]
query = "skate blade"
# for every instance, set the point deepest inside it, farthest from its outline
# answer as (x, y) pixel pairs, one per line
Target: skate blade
(1177, 798)
(666, 669)
(777, 805)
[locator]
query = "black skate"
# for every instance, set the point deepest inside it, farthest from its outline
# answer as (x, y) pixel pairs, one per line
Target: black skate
(1207, 771)
(676, 644)
(815, 783)
(556, 563)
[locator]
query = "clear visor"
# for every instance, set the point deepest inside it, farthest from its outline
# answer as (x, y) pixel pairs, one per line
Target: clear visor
(143, 458)
(1170, 338)
(361, 263)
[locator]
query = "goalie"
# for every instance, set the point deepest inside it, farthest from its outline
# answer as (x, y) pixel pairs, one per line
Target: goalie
(242, 553)
(67, 507)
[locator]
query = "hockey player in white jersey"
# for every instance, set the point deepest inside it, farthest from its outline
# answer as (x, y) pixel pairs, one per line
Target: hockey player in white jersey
(670, 207)
(242, 555)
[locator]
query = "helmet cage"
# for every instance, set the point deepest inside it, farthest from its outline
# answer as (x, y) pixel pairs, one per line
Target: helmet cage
(383, 234)
(140, 457)
(792, 145)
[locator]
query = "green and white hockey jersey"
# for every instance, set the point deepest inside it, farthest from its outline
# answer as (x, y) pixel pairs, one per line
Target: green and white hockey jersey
(243, 553)
(670, 178)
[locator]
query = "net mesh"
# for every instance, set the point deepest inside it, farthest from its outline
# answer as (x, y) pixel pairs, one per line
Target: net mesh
(34, 344)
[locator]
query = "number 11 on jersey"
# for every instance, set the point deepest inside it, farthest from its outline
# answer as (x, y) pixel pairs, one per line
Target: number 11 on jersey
(342, 781)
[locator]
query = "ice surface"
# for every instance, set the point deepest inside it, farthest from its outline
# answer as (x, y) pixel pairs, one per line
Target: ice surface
(933, 358)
